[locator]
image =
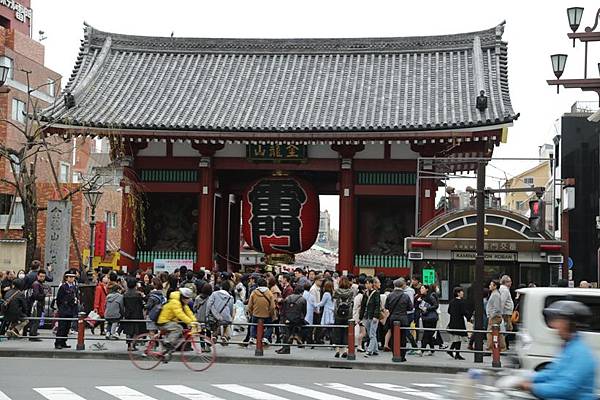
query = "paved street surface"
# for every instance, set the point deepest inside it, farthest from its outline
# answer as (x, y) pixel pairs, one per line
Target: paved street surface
(38, 379)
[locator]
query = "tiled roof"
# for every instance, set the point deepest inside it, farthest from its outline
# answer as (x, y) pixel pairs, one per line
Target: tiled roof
(285, 85)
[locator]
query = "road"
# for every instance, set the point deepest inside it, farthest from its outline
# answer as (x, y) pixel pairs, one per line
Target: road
(39, 379)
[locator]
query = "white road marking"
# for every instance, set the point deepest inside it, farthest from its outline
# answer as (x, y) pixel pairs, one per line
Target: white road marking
(188, 393)
(427, 385)
(359, 392)
(3, 396)
(313, 394)
(124, 393)
(249, 392)
(406, 390)
(58, 393)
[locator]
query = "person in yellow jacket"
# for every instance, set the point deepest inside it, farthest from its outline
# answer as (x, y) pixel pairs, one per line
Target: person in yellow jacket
(174, 312)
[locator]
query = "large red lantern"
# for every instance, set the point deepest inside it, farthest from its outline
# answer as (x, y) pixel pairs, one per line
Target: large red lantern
(280, 214)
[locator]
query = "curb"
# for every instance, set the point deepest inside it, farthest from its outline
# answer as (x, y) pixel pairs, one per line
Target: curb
(337, 364)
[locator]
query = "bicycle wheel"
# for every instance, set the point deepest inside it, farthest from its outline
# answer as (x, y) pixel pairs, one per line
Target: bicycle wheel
(144, 351)
(201, 352)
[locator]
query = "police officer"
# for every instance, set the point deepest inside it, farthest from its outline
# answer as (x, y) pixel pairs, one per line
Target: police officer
(571, 376)
(66, 301)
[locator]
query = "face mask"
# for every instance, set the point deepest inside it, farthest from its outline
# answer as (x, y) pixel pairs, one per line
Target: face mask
(21, 275)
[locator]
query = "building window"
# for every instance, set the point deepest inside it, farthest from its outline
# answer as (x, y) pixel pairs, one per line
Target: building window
(18, 111)
(63, 172)
(528, 180)
(113, 220)
(519, 205)
(7, 62)
(51, 87)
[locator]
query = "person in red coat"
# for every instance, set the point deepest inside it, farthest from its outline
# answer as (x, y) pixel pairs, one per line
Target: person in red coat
(100, 300)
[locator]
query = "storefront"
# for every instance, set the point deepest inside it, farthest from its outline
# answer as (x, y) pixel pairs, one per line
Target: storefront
(444, 251)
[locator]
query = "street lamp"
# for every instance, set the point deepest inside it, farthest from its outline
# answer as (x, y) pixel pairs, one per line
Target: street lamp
(559, 62)
(574, 14)
(93, 198)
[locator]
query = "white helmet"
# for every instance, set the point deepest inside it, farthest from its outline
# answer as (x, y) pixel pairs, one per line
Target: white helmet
(186, 292)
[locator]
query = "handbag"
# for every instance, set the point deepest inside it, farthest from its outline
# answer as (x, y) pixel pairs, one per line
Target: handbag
(92, 318)
(515, 317)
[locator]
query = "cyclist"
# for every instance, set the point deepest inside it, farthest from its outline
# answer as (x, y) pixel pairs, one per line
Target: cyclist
(173, 313)
(572, 375)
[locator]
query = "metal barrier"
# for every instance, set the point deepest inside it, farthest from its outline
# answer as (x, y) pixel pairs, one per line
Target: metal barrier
(397, 331)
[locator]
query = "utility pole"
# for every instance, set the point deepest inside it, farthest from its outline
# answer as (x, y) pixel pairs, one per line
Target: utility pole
(479, 261)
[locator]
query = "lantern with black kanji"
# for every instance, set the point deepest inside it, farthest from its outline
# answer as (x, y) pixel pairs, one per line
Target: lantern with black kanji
(280, 214)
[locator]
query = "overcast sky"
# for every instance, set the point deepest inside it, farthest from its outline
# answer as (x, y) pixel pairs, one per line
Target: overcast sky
(534, 30)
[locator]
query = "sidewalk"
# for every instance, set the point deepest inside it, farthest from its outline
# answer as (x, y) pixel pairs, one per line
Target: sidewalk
(236, 354)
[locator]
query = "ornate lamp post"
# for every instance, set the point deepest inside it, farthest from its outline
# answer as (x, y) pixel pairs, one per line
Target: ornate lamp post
(559, 61)
(93, 198)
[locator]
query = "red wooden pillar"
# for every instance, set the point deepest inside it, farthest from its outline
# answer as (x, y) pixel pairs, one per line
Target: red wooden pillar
(427, 200)
(128, 246)
(347, 234)
(206, 211)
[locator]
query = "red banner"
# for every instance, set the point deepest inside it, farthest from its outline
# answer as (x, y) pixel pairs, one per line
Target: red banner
(100, 239)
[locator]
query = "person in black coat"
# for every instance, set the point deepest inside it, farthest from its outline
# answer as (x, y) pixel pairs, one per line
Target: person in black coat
(16, 310)
(458, 311)
(66, 301)
(133, 305)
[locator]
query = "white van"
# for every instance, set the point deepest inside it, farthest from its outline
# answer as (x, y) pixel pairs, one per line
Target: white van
(537, 343)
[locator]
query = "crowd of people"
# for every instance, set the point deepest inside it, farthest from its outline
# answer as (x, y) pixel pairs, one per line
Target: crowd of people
(126, 305)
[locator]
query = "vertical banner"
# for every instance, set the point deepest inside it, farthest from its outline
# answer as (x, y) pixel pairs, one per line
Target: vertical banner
(58, 236)
(100, 239)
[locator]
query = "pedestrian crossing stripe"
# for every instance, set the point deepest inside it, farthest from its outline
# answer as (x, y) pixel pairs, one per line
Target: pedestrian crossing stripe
(58, 393)
(313, 394)
(406, 390)
(249, 392)
(187, 392)
(358, 392)
(3, 396)
(124, 393)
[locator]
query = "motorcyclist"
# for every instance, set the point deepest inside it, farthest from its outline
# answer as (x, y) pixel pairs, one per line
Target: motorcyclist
(572, 375)
(174, 312)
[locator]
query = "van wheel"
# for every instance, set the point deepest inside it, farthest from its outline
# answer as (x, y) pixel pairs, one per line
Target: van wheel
(541, 367)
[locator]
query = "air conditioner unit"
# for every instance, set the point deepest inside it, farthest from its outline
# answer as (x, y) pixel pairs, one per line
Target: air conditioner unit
(415, 255)
(555, 259)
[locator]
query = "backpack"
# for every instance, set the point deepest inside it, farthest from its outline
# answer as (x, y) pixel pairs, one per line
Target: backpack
(343, 309)
(5, 303)
(294, 310)
(154, 312)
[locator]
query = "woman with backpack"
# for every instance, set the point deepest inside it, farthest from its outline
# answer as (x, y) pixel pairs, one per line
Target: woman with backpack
(344, 299)
(429, 316)
(220, 311)
(155, 298)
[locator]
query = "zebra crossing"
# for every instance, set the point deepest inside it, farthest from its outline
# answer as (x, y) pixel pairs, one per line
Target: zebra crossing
(267, 391)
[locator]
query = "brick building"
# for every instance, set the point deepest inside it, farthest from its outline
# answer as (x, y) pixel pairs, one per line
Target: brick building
(71, 160)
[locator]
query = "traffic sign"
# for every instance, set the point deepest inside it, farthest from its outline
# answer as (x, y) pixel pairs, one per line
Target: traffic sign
(570, 263)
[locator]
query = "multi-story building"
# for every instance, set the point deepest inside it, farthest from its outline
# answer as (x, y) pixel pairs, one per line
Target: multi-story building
(31, 85)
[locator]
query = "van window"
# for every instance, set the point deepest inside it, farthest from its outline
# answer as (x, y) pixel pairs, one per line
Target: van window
(593, 302)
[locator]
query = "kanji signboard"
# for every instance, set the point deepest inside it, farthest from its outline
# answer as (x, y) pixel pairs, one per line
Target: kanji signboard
(280, 215)
(58, 236)
(277, 152)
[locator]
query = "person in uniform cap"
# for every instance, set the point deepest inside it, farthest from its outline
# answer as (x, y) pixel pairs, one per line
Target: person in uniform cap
(66, 301)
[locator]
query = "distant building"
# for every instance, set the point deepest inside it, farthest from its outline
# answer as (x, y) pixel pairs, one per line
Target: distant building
(324, 236)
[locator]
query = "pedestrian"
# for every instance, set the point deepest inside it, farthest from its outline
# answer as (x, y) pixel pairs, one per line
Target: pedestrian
(294, 310)
(37, 303)
(315, 292)
(190, 283)
(457, 309)
(384, 329)
(300, 279)
(133, 309)
(155, 298)
(113, 311)
(494, 313)
(429, 316)
(344, 301)
(411, 316)
(100, 300)
(16, 309)
(438, 340)
(398, 303)
(372, 315)
(507, 305)
(326, 304)
(6, 283)
(358, 317)
(220, 311)
(67, 303)
(276, 292)
(261, 305)
(201, 306)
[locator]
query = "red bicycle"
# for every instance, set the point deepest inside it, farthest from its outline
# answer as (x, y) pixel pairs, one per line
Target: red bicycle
(198, 351)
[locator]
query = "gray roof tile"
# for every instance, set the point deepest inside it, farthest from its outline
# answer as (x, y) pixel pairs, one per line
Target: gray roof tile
(372, 84)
